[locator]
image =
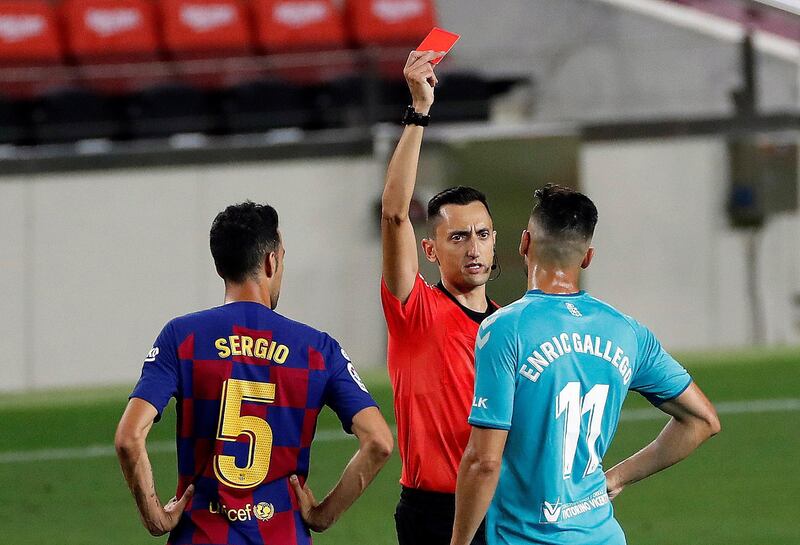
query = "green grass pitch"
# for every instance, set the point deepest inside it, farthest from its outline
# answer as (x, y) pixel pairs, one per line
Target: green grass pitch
(741, 488)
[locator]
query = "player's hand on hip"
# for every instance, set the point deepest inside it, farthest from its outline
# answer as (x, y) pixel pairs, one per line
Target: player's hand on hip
(309, 506)
(421, 78)
(174, 509)
(613, 486)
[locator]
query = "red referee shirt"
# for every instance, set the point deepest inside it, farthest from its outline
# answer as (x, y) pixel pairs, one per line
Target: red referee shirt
(431, 364)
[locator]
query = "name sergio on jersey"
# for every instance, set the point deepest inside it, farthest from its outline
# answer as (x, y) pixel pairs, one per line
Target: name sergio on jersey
(566, 343)
(242, 345)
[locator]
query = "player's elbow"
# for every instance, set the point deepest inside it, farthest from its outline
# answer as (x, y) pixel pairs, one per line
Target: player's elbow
(379, 445)
(486, 466)
(127, 442)
(711, 422)
(156, 530)
(481, 464)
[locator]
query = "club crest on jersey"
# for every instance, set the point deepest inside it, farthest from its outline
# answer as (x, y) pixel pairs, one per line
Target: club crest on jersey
(574, 310)
(151, 356)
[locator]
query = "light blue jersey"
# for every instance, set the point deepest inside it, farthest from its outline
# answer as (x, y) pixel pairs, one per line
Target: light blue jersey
(554, 371)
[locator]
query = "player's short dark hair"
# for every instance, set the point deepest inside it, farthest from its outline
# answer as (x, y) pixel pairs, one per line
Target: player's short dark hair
(454, 195)
(564, 213)
(241, 237)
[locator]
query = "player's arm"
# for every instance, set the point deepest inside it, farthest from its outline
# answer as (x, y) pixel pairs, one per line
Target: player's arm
(477, 481)
(129, 441)
(400, 265)
(694, 420)
(375, 447)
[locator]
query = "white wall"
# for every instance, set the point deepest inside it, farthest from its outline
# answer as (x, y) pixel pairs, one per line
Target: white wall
(665, 253)
(93, 264)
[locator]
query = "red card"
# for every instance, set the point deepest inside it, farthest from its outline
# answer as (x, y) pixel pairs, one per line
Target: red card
(438, 40)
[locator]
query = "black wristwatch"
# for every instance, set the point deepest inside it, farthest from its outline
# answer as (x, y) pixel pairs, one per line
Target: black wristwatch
(413, 117)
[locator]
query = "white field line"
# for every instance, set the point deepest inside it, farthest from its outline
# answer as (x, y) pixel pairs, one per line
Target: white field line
(755, 406)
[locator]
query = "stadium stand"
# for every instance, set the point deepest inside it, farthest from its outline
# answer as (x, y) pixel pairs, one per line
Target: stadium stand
(29, 44)
(121, 69)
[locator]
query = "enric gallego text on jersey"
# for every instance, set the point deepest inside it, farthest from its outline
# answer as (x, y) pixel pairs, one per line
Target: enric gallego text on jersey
(566, 343)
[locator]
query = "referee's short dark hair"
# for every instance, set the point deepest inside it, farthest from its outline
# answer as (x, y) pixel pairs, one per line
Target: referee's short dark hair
(241, 237)
(460, 195)
(564, 213)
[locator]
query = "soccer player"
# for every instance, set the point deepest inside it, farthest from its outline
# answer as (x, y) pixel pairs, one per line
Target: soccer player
(553, 370)
(249, 385)
(431, 328)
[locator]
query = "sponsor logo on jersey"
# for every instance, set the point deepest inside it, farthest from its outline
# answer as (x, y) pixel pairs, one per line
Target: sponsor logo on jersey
(202, 18)
(396, 11)
(107, 22)
(263, 511)
(15, 28)
(551, 511)
(480, 402)
(574, 310)
(558, 512)
(356, 378)
(151, 356)
(300, 14)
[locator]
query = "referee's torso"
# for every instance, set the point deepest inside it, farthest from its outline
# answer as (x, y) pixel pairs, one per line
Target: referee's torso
(432, 369)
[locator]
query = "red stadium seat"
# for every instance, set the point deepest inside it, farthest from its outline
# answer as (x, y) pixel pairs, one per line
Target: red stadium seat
(28, 34)
(298, 25)
(29, 38)
(390, 22)
(205, 28)
(110, 31)
(303, 26)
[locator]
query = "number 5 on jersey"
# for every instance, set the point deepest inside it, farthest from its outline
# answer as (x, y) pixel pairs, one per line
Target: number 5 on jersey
(569, 401)
(232, 424)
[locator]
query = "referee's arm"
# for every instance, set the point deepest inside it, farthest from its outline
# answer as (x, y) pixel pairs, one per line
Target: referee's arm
(477, 481)
(400, 265)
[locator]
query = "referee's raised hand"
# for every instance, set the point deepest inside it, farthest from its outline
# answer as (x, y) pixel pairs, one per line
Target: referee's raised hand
(421, 78)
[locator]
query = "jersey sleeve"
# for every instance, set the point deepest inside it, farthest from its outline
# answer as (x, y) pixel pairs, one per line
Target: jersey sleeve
(657, 375)
(413, 315)
(159, 379)
(345, 392)
(496, 356)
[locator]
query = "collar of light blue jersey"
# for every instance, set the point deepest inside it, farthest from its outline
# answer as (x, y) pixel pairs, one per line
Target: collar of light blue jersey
(540, 292)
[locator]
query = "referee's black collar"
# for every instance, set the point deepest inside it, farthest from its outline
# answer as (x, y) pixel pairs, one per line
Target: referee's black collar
(473, 315)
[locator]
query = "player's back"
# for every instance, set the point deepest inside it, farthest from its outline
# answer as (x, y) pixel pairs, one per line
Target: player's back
(249, 385)
(554, 371)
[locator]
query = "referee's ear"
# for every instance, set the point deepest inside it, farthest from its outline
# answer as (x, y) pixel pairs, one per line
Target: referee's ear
(429, 249)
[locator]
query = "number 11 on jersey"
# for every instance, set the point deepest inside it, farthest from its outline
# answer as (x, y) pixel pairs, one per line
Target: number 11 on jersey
(573, 407)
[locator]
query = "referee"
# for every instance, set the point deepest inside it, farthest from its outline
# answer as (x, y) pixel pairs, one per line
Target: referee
(431, 328)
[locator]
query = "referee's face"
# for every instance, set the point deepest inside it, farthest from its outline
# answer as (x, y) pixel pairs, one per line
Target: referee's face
(463, 244)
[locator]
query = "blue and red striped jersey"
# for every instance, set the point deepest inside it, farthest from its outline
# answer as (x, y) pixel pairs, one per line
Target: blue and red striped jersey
(249, 385)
